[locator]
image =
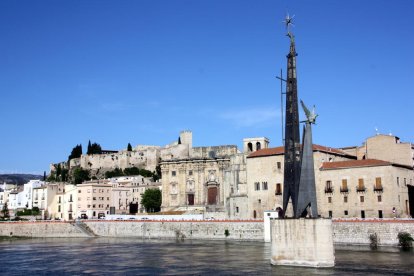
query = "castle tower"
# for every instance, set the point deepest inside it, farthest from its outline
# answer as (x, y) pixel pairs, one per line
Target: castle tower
(292, 134)
(186, 138)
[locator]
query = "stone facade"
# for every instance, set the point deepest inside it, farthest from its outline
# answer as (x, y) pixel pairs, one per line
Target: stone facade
(142, 156)
(364, 188)
(265, 177)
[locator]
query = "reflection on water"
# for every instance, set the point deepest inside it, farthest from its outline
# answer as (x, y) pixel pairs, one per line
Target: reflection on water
(99, 256)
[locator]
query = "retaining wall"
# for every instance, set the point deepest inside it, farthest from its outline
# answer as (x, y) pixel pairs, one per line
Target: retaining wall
(46, 229)
(344, 231)
(215, 230)
(358, 231)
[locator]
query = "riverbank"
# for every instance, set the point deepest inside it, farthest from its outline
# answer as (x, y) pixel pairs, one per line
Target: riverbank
(345, 232)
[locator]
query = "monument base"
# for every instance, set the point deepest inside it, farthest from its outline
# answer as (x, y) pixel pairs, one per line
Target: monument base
(302, 242)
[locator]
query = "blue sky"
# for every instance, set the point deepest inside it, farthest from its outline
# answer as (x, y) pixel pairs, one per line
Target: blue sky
(140, 71)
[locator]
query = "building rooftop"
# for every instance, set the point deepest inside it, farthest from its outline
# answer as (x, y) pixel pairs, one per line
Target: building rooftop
(358, 164)
(281, 150)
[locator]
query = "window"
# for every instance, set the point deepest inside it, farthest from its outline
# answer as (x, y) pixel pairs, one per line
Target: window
(173, 173)
(237, 209)
(379, 198)
(346, 212)
(258, 146)
(89, 190)
(344, 187)
(328, 187)
(398, 181)
(345, 199)
(249, 147)
(361, 187)
(94, 190)
(361, 199)
(94, 206)
(59, 208)
(94, 198)
(264, 185)
(190, 172)
(260, 201)
(278, 189)
(330, 214)
(330, 199)
(279, 165)
(257, 186)
(79, 191)
(378, 185)
(380, 214)
(362, 214)
(405, 181)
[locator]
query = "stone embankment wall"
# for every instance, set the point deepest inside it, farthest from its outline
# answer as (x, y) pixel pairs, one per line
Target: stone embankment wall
(358, 231)
(239, 230)
(46, 229)
(344, 231)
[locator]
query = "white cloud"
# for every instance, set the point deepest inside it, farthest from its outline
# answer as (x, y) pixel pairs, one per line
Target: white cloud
(253, 117)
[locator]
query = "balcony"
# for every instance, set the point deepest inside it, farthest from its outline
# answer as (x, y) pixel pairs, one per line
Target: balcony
(361, 189)
(344, 190)
(378, 188)
(328, 190)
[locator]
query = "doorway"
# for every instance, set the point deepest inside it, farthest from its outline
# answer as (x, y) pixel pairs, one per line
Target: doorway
(190, 198)
(212, 196)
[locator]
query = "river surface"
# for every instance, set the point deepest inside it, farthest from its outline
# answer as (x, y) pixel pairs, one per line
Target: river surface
(123, 256)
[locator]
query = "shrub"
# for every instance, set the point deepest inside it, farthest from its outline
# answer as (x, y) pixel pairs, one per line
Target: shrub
(405, 240)
(373, 238)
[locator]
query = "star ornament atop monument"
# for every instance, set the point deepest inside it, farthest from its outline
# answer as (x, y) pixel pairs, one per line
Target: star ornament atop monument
(288, 23)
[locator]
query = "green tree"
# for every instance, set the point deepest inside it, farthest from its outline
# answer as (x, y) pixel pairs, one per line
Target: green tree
(94, 148)
(132, 171)
(76, 152)
(5, 212)
(151, 200)
(114, 173)
(80, 175)
(129, 148)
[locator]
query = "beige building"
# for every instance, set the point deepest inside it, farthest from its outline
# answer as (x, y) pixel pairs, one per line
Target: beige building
(265, 170)
(94, 199)
(364, 188)
(196, 182)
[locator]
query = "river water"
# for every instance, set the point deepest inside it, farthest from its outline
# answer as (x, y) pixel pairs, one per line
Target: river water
(123, 256)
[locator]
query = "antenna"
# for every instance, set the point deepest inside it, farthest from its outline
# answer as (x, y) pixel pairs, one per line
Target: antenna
(281, 103)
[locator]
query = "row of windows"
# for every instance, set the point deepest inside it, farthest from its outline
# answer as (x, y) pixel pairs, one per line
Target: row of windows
(174, 173)
(94, 198)
(361, 199)
(257, 186)
(94, 190)
(94, 206)
(380, 213)
(360, 187)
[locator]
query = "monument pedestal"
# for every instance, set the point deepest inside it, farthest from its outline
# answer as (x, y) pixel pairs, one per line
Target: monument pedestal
(302, 242)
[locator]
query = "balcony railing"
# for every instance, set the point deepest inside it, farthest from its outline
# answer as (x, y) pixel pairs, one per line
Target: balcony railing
(344, 190)
(361, 189)
(378, 188)
(328, 190)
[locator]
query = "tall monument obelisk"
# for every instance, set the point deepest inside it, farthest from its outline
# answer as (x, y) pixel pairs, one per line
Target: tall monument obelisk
(292, 134)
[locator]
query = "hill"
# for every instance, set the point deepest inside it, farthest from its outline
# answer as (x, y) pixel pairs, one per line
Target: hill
(18, 179)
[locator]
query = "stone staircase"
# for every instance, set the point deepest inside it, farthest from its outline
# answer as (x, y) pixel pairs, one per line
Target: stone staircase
(84, 228)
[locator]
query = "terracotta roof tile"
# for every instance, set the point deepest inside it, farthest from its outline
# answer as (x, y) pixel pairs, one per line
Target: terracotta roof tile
(281, 150)
(353, 164)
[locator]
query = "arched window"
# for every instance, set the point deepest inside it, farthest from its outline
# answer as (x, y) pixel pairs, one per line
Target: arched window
(278, 189)
(258, 146)
(249, 147)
